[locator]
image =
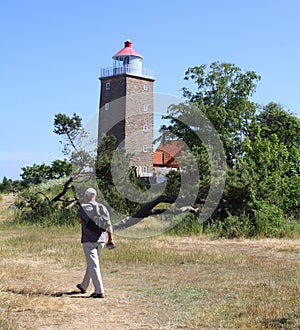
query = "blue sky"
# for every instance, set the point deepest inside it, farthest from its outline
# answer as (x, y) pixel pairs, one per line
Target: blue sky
(52, 51)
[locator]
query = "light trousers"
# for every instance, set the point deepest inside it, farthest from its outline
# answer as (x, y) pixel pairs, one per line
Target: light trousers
(92, 253)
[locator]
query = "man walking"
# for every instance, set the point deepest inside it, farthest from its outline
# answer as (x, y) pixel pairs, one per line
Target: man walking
(93, 241)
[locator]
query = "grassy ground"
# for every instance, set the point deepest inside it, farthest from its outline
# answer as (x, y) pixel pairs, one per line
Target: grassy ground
(152, 283)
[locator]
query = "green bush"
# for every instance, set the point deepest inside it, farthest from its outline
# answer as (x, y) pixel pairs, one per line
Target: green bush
(234, 226)
(35, 206)
(269, 219)
(188, 225)
(41, 213)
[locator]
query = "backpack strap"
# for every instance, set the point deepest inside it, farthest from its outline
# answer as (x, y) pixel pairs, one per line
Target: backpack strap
(100, 211)
(96, 207)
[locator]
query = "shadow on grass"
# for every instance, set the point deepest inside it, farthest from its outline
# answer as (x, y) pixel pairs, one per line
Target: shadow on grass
(292, 322)
(26, 292)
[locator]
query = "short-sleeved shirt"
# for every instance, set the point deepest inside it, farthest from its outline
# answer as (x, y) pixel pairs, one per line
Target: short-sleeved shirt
(86, 234)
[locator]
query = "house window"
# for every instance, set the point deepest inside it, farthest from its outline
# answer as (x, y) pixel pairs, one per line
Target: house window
(107, 86)
(146, 87)
(106, 106)
(145, 169)
(145, 148)
(145, 128)
(146, 107)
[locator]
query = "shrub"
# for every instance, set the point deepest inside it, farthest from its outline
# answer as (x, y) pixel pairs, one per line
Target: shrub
(34, 206)
(234, 226)
(188, 225)
(41, 213)
(269, 219)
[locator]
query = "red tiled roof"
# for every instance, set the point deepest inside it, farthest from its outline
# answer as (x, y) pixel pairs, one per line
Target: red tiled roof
(158, 158)
(172, 147)
(166, 153)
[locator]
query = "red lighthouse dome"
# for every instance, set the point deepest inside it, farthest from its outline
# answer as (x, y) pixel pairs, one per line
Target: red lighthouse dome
(128, 59)
(127, 51)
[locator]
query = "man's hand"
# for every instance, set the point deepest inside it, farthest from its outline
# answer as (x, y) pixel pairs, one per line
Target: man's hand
(110, 244)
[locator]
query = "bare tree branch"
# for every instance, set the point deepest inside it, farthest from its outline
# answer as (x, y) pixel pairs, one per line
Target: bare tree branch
(147, 210)
(66, 187)
(41, 193)
(143, 212)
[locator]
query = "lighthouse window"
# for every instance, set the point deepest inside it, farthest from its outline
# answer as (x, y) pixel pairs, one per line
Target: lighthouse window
(144, 169)
(145, 87)
(107, 86)
(145, 148)
(106, 106)
(145, 128)
(146, 107)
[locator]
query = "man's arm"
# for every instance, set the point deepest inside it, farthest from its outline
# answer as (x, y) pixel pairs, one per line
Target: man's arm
(79, 220)
(110, 240)
(109, 228)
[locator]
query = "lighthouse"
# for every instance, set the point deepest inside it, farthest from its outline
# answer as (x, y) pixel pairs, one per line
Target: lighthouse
(128, 60)
(126, 107)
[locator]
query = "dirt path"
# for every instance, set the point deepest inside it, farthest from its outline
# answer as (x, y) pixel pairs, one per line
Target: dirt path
(47, 300)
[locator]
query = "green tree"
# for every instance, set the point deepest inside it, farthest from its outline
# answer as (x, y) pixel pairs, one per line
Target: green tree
(223, 96)
(35, 174)
(75, 140)
(116, 177)
(273, 119)
(59, 169)
(262, 148)
(105, 154)
(52, 206)
(70, 128)
(6, 185)
(38, 173)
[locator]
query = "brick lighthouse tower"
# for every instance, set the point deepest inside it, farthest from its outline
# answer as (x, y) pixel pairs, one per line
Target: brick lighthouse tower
(126, 107)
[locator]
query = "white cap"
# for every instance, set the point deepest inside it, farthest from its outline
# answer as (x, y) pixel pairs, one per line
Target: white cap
(90, 192)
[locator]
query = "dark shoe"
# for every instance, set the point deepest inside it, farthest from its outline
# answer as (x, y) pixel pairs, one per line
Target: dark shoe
(78, 286)
(97, 295)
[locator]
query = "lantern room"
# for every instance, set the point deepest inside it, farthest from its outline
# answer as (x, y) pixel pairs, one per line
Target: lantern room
(128, 60)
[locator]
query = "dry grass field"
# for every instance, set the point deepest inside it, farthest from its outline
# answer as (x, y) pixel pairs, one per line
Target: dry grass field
(165, 282)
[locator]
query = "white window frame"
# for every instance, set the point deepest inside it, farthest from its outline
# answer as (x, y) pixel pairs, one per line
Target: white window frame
(146, 107)
(145, 169)
(106, 106)
(146, 87)
(107, 86)
(145, 148)
(145, 128)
